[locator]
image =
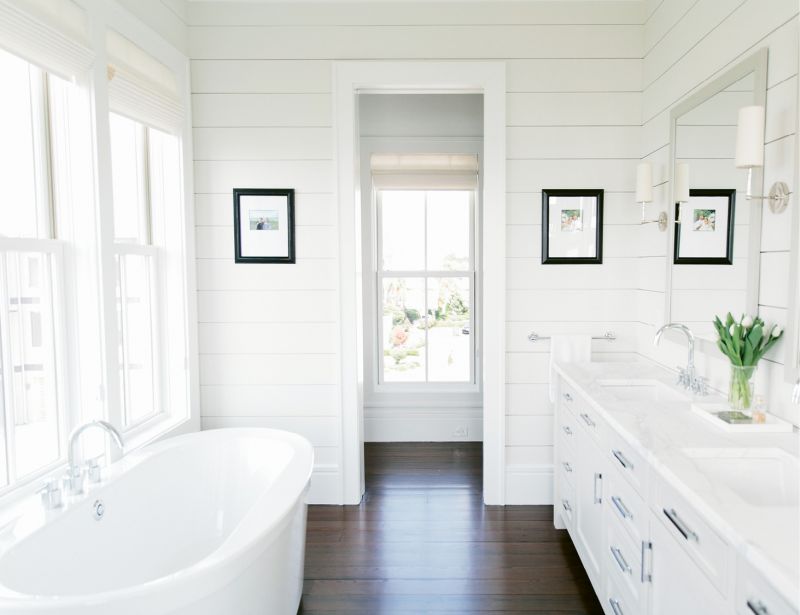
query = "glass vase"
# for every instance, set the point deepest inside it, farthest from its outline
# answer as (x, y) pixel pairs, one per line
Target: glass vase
(740, 393)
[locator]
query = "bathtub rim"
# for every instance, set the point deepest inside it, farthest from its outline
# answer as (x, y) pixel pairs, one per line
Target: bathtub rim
(212, 572)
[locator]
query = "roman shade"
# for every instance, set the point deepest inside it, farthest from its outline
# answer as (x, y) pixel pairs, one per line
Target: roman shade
(424, 171)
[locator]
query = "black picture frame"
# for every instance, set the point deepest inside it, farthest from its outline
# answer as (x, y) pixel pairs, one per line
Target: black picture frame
(727, 259)
(547, 259)
(289, 258)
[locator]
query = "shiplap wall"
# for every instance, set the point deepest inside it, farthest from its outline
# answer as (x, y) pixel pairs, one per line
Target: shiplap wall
(261, 82)
(688, 42)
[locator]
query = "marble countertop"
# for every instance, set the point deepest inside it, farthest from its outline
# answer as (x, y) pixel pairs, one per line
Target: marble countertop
(767, 535)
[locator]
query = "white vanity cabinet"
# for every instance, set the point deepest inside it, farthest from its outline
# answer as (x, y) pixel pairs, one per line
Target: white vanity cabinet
(678, 584)
(641, 537)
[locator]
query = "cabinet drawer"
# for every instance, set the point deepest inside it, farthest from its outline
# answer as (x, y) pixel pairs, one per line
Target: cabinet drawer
(567, 428)
(566, 464)
(624, 564)
(566, 507)
(631, 465)
(755, 596)
(615, 601)
(703, 545)
(586, 416)
(625, 507)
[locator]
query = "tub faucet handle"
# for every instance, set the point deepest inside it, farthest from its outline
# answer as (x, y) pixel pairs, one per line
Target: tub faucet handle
(94, 471)
(73, 480)
(51, 494)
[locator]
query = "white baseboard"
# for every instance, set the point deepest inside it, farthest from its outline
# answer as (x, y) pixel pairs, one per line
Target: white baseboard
(529, 484)
(326, 485)
(423, 425)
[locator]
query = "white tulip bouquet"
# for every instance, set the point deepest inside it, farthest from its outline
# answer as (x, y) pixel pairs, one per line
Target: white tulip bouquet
(744, 342)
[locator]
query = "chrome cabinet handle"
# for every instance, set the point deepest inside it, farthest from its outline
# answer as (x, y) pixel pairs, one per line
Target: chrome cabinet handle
(565, 504)
(623, 510)
(623, 565)
(567, 397)
(680, 525)
(623, 460)
(567, 430)
(757, 607)
(615, 606)
(598, 499)
(646, 577)
(567, 466)
(587, 419)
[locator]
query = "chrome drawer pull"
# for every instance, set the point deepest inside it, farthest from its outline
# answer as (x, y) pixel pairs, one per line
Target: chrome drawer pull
(567, 397)
(598, 499)
(623, 510)
(679, 524)
(615, 607)
(588, 420)
(623, 565)
(567, 430)
(622, 459)
(565, 504)
(757, 607)
(567, 466)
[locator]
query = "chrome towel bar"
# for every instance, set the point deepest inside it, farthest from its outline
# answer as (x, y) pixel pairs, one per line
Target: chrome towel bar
(609, 336)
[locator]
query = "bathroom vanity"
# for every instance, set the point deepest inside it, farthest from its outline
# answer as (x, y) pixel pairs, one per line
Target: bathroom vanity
(669, 514)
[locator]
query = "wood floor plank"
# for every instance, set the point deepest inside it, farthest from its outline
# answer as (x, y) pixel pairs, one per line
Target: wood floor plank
(422, 542)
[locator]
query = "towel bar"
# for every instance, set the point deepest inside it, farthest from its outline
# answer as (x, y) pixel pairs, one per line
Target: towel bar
(609, 335)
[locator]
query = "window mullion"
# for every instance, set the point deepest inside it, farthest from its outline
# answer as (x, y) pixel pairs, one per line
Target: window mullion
(425, 289)
(8, 371)
(8, 457)
(123, 333)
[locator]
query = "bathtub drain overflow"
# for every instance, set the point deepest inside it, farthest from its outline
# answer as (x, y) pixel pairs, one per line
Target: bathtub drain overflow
(99, 509)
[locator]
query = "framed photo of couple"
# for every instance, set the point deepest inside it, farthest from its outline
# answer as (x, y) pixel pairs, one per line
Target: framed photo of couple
(263, 225)
(572, 227)
(705, 233)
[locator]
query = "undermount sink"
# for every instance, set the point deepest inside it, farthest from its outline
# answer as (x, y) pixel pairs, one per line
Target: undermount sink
(759, 476)
(641, 390)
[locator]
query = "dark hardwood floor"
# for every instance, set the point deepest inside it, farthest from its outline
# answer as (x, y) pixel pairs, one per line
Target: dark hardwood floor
(422, 542)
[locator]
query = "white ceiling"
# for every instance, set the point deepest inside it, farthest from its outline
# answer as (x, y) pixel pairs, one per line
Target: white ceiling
(408, 1)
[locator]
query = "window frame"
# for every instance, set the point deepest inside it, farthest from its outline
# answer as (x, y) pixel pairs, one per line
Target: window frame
(52, 247)
(379, 384)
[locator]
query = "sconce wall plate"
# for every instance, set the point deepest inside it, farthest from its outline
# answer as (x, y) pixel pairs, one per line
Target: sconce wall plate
(779, 197)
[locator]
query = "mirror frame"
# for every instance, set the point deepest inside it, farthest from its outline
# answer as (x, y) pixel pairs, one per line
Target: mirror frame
(756, 64)
(792, 357)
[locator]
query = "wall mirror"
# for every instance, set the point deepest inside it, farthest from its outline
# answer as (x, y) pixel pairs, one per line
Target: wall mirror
(715, 232)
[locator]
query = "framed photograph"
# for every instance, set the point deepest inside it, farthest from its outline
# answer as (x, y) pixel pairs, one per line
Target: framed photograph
(572, 227)
(263, 225)
(705, 233)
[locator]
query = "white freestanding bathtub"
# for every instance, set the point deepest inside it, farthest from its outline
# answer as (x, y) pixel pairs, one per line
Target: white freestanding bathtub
(211, 523)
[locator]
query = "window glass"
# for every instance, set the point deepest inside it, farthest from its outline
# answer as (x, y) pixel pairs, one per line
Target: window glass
(403, 230)
(425, 324)
(31, 349)
(448, 231)
(128, 178)
(19, 216)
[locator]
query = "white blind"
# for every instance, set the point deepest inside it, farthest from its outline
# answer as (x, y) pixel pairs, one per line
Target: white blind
(424, 171)
(140, 86)
(52, 34)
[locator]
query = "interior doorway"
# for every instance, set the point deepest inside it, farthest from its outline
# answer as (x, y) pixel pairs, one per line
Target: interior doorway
(485, 274)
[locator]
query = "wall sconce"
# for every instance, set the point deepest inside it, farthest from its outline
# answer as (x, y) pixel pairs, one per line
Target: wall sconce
(681, 188)
(750, 155)
(644, 194)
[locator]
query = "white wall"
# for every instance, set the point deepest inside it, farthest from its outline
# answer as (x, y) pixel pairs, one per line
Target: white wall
(688, 43)
(167, 17)
(261, 77)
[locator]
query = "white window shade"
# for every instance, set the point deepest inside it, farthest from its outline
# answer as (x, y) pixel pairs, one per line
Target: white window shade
(140, 86)
(52, 34)
(424, 171)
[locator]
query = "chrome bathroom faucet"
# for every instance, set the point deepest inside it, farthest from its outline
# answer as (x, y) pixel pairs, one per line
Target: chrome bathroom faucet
(686, 377)
(75, 472)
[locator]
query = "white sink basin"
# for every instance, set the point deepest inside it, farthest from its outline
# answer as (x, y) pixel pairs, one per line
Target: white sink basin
(759, 476)
(641, 390)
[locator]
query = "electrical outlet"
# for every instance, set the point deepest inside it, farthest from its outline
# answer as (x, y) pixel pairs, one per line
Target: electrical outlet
(462, 431)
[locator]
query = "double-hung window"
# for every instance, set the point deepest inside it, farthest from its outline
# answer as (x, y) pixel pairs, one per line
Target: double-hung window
(145, 173)
(33, 383)
(425, 281)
